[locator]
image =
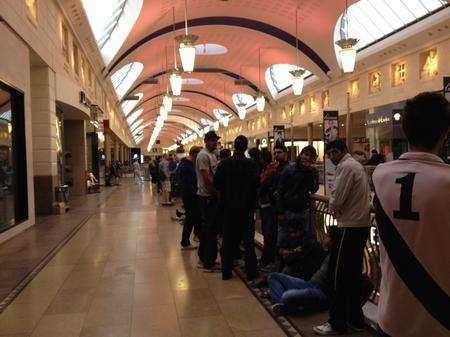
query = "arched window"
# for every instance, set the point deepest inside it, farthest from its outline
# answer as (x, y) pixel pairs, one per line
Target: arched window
(278, 77)
(128, 106)
(111, 23)
(372, 20)
(123, 79)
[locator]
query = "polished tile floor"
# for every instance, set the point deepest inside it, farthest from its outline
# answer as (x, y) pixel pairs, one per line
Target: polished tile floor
(123, 274)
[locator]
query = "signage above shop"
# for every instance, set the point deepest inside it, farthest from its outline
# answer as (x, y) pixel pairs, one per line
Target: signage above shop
(85, 100)
(380, 118)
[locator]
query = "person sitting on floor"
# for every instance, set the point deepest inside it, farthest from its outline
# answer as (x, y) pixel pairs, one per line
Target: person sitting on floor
(92, 183)
(300, 255)
(291, 294)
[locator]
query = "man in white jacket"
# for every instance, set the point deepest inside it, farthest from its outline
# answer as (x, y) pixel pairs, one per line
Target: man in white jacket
(350, 203)
(412, 207)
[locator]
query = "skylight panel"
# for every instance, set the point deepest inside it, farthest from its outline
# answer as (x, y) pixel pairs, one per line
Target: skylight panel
(128, 106)
(111, 22)
(278, 77)
(371, 20)
(124, 78)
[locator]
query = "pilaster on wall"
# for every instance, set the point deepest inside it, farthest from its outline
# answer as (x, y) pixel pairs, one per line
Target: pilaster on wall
(75, 136)
(43, 112)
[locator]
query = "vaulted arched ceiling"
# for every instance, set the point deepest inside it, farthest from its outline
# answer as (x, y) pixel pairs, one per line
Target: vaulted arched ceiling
(251, 30)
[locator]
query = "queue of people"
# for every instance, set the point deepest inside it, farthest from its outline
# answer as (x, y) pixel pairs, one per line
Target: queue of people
(222, 192)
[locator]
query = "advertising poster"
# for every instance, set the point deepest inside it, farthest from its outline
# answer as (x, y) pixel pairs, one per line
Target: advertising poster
(278, 134)
(330, 133)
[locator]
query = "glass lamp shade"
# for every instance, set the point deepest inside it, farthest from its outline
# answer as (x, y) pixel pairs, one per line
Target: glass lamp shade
(187, 51)
(260, 102)
(242, 110)
(163, 112)
(297, 81)
(176, 83)
(216, 126)
(347, 54)
(200, 133)
(167, 102)
(225, 120)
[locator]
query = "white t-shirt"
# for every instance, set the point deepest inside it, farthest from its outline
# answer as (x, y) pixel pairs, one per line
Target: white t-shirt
(423, 222)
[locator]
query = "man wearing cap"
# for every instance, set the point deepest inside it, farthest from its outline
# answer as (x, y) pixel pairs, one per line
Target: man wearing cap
(205, 167)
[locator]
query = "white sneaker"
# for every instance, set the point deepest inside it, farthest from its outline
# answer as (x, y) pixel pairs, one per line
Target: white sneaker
(325, 330)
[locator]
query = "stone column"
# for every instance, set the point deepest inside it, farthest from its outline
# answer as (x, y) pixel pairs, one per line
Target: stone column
(43, 110)
(106, 149)
(310, 133)
(116, 150)
(75, 136)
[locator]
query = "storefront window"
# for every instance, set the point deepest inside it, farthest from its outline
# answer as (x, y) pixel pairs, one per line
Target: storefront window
(13, 180)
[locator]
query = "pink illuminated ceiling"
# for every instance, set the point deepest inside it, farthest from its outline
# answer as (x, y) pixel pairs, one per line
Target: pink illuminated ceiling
(246, 28)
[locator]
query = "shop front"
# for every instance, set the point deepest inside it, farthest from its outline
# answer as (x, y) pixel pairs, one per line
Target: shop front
(384, 131)
(13, 161)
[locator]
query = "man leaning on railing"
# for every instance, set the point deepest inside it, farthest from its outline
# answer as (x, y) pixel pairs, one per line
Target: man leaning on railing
(350, 204)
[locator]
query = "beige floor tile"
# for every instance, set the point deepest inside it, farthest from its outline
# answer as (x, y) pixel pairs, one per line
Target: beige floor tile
(21, 318)
(245, 316)
(149, 294)
(182, 280)
(104, 313)
(155, 321)
(195, 303)
(106, 331)
(52, 276)
(68, 325)
(207, 326)
(70, 301)
(260, 333)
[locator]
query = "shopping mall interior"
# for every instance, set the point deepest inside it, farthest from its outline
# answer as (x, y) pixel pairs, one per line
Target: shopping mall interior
(98, 98)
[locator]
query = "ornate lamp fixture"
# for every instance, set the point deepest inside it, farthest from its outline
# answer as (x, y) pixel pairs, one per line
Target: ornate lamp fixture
(297, 74)
(187, 47)
(175, 82)
(225, 120)
(347, 53)
(242, 110)
(260, 102)
(167, 102)
(260, 99)
(175, 75)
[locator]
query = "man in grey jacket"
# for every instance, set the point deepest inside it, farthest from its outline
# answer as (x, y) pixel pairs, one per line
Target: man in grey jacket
(350, 203)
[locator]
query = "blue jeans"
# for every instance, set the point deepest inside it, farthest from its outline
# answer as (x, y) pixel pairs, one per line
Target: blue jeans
(295, 293)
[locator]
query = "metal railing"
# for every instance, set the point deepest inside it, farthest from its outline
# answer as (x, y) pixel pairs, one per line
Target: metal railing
(322, 219)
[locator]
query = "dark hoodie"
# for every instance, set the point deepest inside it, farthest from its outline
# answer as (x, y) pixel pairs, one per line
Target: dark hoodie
(188, 177)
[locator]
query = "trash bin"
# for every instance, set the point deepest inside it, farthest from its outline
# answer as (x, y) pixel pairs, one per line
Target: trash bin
(62, 193)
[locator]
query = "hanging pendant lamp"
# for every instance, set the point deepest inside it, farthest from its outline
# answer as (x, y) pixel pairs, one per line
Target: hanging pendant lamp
(187, 45)
(225, 120)
(175, 79)
(297, 81)
(242, 110)
(260, 102)
(167, 102)
(347, 54)
(175, 82)
(297, 74)
(260, 99)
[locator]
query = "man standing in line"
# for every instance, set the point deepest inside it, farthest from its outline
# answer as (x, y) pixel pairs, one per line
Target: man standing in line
(236, 180)
(350, 203)
(269, 221)
(188, 181)
(413, 219)
(205, 168)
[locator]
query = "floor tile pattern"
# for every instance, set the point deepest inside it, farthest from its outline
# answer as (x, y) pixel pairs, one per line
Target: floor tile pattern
(123, 275)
